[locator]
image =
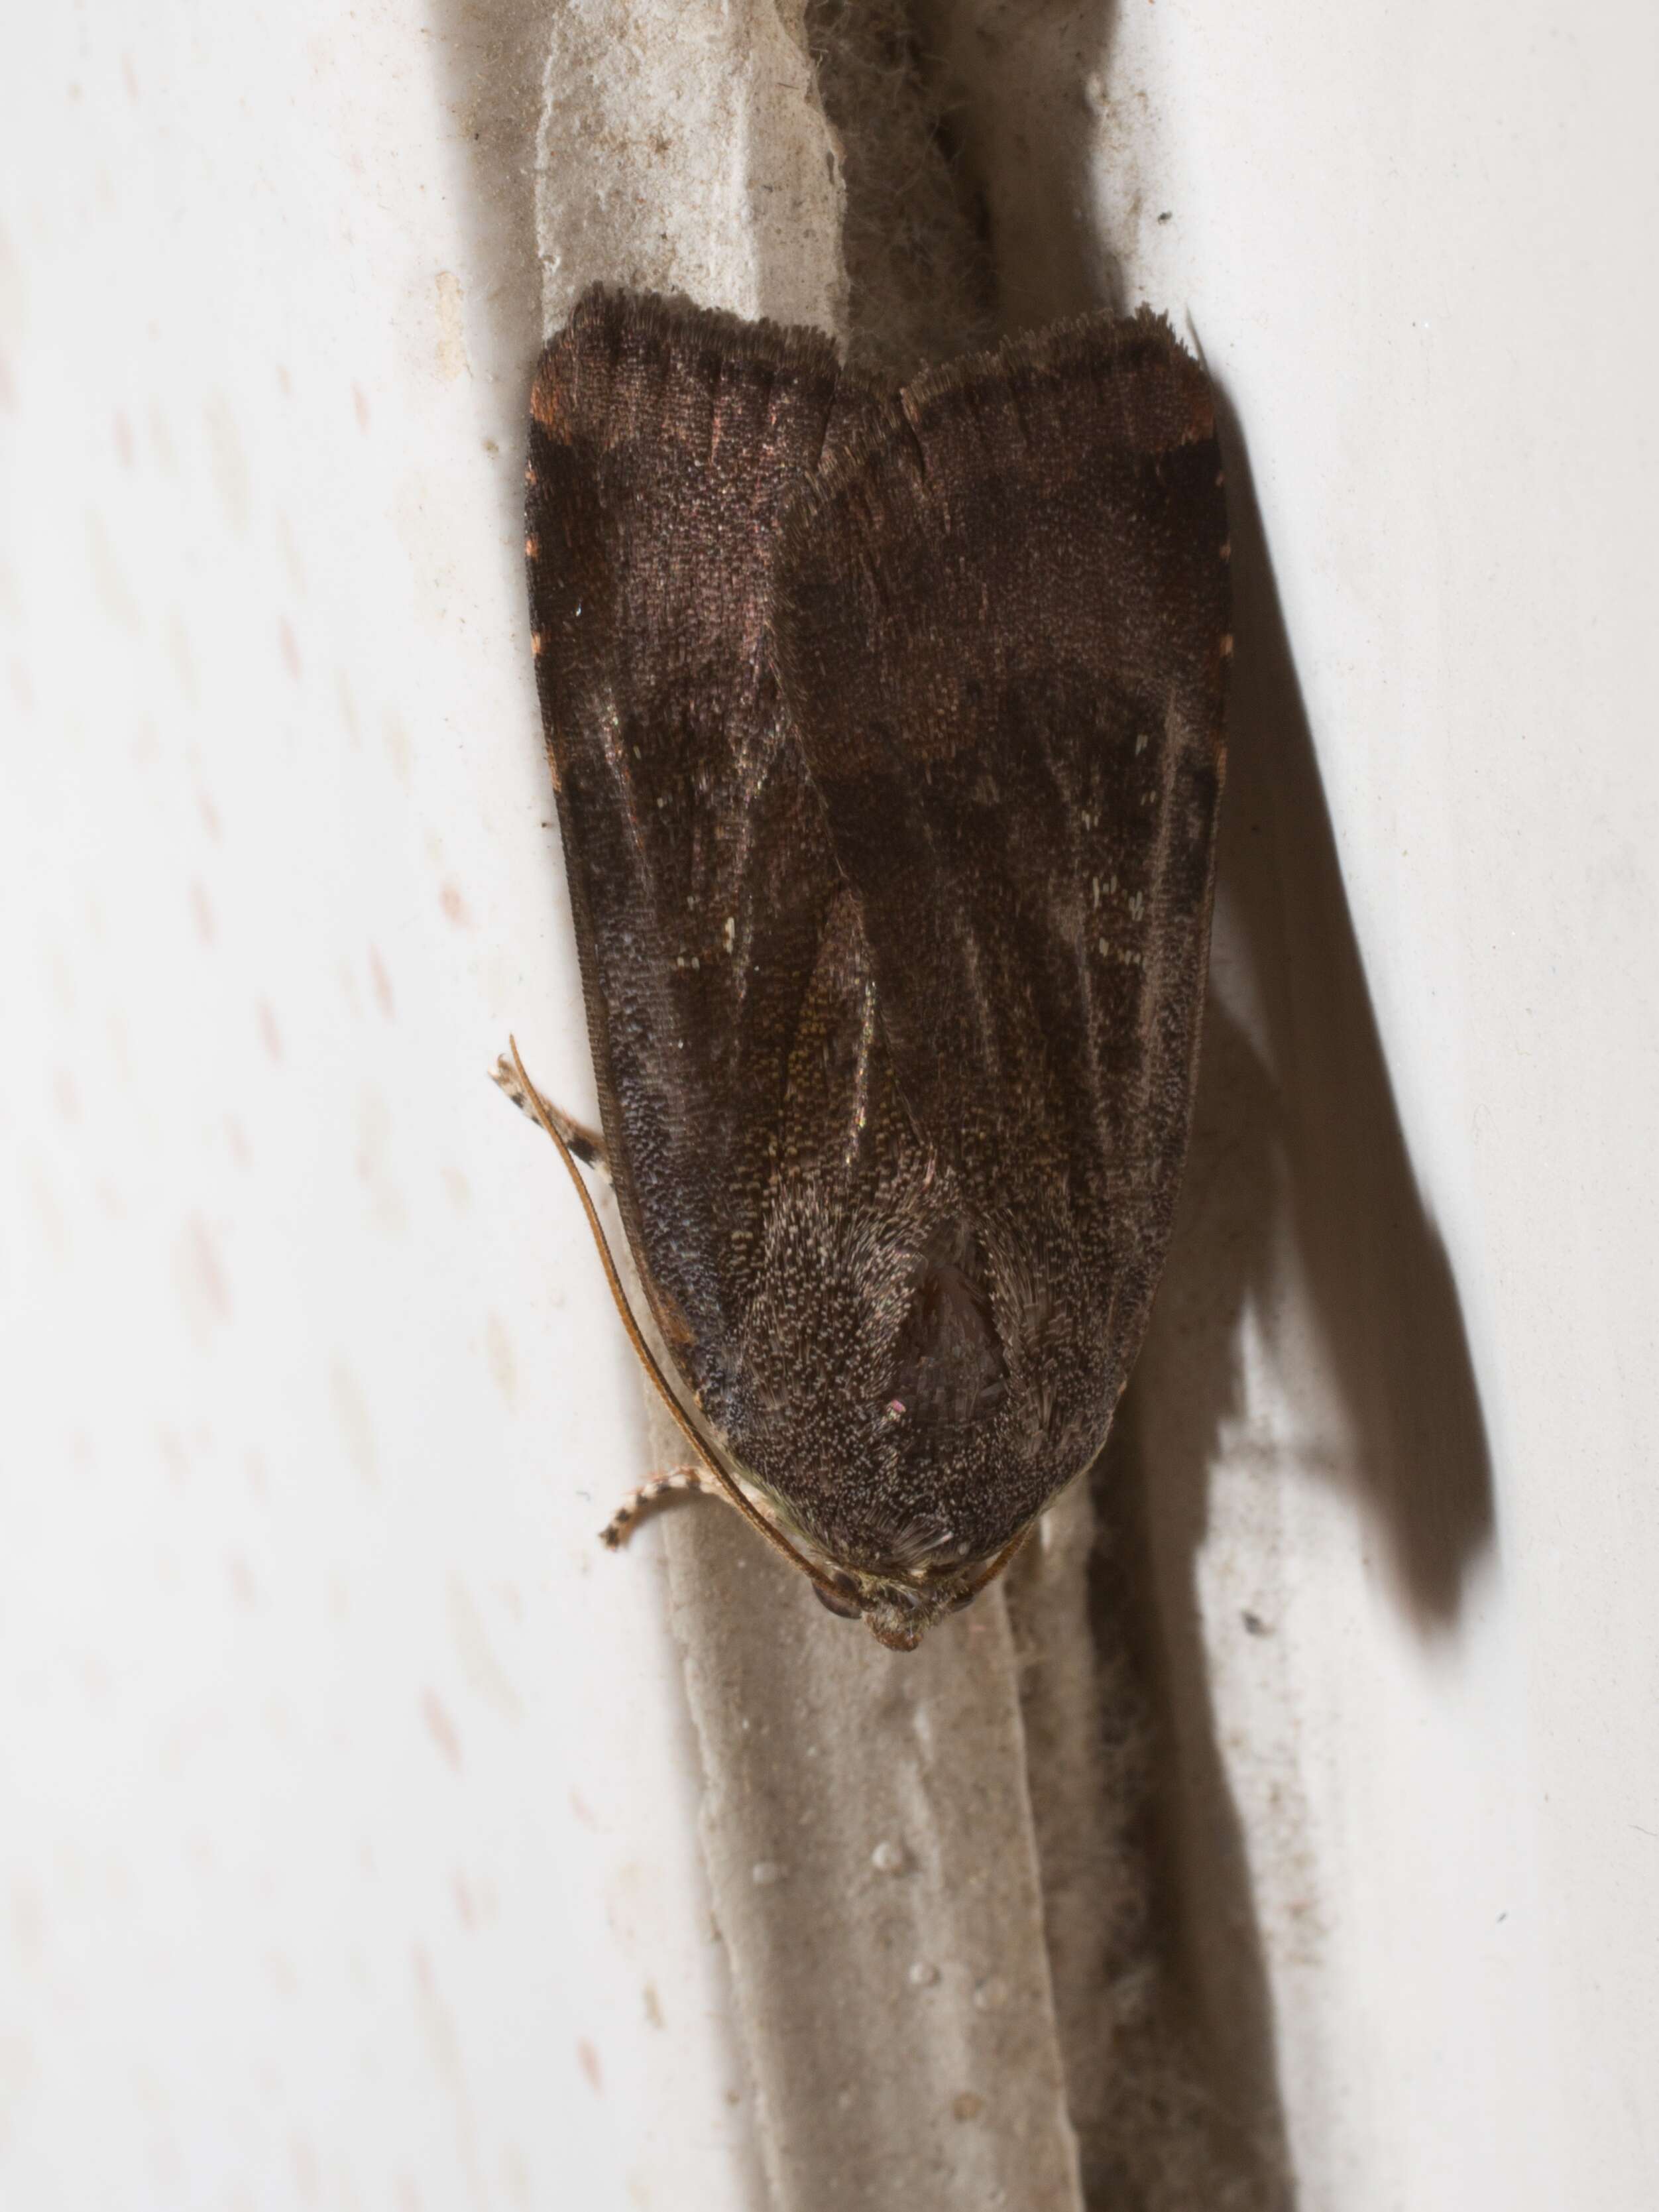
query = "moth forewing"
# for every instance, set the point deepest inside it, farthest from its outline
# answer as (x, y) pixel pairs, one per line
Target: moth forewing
(886, 733)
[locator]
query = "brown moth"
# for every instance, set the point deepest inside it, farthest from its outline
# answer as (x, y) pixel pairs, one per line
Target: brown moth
(887, 736)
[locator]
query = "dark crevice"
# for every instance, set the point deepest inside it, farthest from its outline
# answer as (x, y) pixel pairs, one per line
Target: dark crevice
(1188, 2114)
(916, 241)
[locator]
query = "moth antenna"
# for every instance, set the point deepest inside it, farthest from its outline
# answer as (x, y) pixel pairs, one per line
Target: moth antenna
(1003, 1559)
(677, 1413)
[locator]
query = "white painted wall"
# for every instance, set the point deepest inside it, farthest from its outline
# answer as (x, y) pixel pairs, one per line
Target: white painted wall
(346, 1815)
(1420, 254)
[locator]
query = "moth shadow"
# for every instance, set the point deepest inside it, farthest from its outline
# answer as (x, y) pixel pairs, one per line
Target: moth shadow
(1383, 1289)
(1299, 1180)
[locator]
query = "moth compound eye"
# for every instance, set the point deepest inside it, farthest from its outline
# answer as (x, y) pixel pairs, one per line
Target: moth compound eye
(842, 1601)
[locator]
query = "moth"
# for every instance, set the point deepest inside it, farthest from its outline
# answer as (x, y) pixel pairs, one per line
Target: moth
(886, 729)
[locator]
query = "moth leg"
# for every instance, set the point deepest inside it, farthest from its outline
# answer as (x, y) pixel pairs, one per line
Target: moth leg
(587, 1145)
(689, 1481)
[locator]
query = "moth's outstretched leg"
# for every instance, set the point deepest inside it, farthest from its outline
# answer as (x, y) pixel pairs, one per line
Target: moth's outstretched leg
(587, 1143)
(678, 1480)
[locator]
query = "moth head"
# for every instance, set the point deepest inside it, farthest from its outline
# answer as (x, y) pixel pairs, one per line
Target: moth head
(926, 1576)
(897, 1613)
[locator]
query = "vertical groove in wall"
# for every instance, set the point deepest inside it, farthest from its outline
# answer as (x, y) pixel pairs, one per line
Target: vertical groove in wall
(920, 282)
(889, 1838)
(867, 1831)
